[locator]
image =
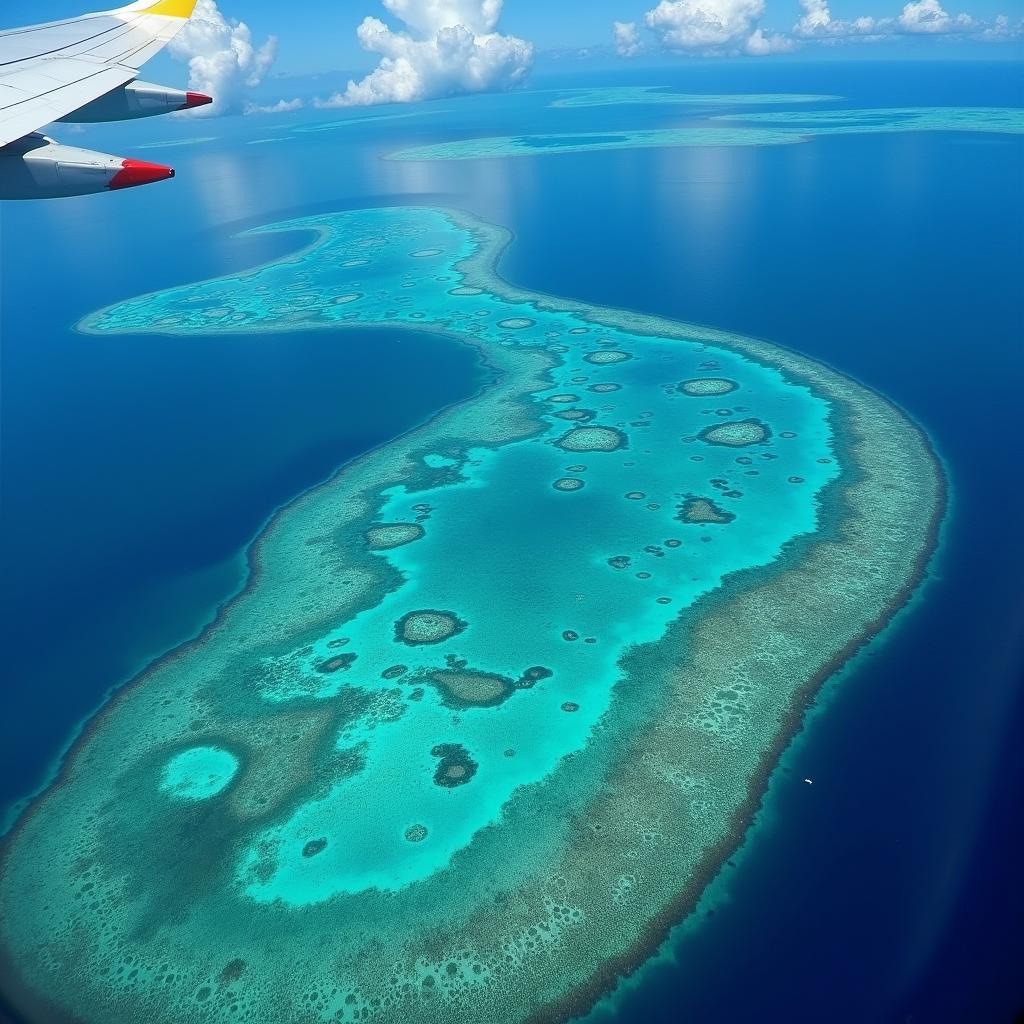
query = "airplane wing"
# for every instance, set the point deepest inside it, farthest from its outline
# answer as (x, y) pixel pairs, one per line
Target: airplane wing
(84, 69)
(49, 71)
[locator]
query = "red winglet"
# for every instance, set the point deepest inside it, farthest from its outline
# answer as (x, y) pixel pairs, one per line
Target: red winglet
(196, 99)
(139, 172)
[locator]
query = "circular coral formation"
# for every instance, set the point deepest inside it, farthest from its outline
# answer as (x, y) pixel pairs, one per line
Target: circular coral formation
(516, 323)
(570, 706)
(593, 439)
(569, 483)
(696, 509)
(604, 389)
(738, 434)
(703, 387)
(392, 535)
(574, 414)
(313, 847)
(344, 300)
(198, 773)
(455, 767)
(465, 688)
(607, 356)
(336, 664)
(427, 627)
(563, 399)
(416, 833)
(620, 561)
(534, 674)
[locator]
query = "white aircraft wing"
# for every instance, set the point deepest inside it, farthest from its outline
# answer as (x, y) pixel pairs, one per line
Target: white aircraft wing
(49, 71)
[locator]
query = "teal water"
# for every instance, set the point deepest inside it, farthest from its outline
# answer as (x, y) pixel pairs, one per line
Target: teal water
(538, 567)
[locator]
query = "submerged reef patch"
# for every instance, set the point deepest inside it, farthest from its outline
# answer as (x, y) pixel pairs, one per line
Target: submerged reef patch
(607, 357)
(593, 439)
(466, 688)
(427, 627)
(696, 509)
(418, 848)
(737, 434)
(455, 767)
(704, 386)
(763, 128)
(392, 535)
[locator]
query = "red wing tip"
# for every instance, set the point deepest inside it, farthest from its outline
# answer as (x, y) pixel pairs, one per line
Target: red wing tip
(196, 99)
(139, 172)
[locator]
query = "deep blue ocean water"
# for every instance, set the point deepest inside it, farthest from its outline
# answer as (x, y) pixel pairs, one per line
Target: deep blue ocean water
(135, 470)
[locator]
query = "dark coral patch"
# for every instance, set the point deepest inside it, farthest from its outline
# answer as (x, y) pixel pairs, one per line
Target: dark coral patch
(696, 509)
(337, 663)
(532, 676)
(313, 847)
(465, 688)
(455, 767)
(427, 627)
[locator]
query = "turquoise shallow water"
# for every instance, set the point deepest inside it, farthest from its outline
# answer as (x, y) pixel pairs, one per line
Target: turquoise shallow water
(523, 573)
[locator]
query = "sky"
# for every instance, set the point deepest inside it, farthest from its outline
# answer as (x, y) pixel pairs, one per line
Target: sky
(408, 50)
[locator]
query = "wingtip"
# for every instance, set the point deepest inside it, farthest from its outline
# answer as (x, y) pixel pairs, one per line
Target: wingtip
(173, 8)
(196, 99)
(139, 172)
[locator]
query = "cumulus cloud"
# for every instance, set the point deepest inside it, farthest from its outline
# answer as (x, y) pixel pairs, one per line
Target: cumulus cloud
(709, 25)
(280, 107)
(714, 27)
(927, 16)
(761, 43)
(817, 22)
(446, 47)
(627, 38)
(918, 17)
(222, 60)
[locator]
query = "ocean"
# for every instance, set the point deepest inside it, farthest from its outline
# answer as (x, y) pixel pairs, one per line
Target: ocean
(135, 470)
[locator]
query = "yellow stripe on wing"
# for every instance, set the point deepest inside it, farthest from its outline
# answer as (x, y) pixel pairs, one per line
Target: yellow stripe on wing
(172, 8)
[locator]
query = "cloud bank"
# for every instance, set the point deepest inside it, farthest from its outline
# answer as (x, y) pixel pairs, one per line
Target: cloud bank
(446, 47)
(222, 60)
(732, 27)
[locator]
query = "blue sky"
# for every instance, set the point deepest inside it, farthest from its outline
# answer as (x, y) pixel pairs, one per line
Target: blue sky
(440, 48)
(323, 36)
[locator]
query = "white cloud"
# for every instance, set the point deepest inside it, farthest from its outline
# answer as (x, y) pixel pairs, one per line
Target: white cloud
(817, 22)
(280, 107)
(1001, 29)
(761, 44)
(714, 27)
(928, 17)
(707, 25)
(222, 60)
(448, 47)
(918, 17)
(627, 38)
